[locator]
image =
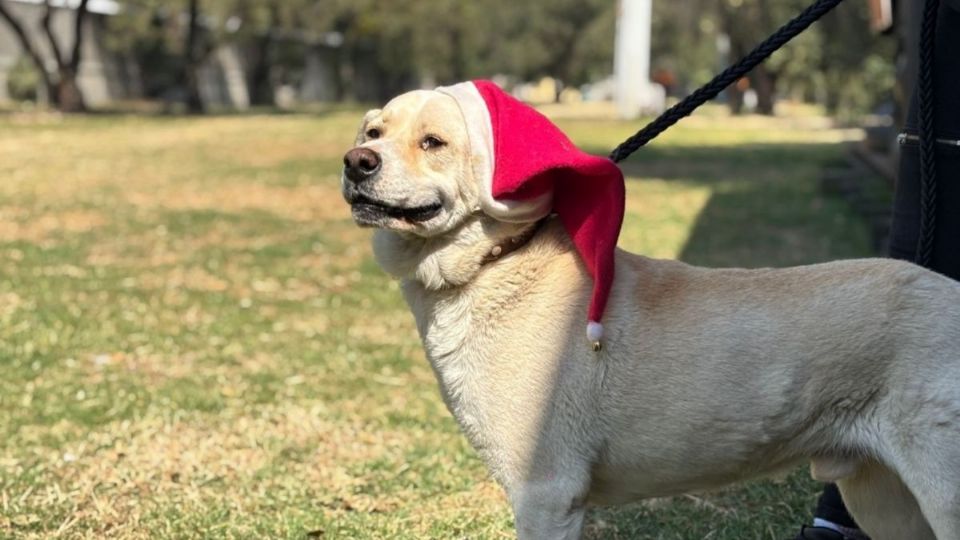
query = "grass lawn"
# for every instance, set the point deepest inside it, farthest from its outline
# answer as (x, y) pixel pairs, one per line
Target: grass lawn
(196, 343)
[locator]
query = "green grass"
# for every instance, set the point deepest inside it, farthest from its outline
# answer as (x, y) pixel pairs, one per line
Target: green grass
(196, 342)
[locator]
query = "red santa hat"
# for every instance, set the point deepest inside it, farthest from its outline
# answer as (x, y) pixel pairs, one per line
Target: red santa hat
(527, 168)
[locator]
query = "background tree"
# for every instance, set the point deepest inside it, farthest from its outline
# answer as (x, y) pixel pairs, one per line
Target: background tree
(192, 58)
(838, 62)
(262, 25)
(61, 87)
(379, 48)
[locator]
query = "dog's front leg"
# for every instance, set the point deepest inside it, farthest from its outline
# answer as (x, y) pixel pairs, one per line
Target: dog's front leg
(550, 509)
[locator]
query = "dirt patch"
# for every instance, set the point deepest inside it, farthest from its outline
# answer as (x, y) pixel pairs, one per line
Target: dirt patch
(17, 225)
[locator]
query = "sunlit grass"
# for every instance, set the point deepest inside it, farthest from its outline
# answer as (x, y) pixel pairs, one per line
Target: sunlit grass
(197, 343)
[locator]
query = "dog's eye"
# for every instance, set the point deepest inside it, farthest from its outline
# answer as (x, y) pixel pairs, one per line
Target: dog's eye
(373, 133)
(429, 142)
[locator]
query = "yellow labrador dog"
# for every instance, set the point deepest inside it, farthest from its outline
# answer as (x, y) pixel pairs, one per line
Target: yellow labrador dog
(707, 376)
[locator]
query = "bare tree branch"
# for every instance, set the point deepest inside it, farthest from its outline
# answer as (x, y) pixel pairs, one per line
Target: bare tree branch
(192, 59)
(51, 38)
(78, 35)
(25, 42)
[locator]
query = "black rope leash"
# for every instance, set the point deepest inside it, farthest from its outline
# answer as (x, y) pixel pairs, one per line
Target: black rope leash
(730, 75)
(925, 96)
(928, 139)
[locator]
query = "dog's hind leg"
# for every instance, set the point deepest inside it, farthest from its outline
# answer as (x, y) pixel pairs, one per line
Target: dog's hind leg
(883, 506)
(934, 478)
(924, 448)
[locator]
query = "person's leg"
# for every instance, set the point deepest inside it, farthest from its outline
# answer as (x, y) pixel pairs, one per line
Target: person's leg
(831, 513)
(905, 230)
(831, 519)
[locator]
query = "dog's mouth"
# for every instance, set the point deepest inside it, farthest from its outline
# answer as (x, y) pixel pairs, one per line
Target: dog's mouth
(367, 211)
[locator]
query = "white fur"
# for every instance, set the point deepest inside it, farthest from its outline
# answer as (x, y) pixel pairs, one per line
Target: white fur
(707, 377)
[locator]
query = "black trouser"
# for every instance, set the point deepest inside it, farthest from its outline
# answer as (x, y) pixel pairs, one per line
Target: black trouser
(906, 208)
(905, 231)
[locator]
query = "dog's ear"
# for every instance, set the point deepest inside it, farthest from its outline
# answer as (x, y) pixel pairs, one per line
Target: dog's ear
(363, 125)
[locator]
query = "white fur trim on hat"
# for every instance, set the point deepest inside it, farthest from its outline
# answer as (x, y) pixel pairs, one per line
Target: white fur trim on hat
(480, 134)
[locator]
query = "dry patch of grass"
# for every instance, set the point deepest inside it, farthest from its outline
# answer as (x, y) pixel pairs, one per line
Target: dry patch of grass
(16, 224)
(303, 203)
(108, 481)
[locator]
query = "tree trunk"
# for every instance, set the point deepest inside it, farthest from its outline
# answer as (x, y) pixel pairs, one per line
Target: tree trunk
(17, 27)
(68, 96)
(457, 57)
(190, 78)
(343, 57)
(194, 101)
(765, 84)
(258, 83)
(66, 93)
(735, 98)
(735, 91)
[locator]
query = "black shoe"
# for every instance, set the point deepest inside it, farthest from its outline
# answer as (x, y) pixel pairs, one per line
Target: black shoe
(820, 533)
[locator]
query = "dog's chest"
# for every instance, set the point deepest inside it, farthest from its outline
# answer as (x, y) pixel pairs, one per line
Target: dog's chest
(457, 347)
(445, 323)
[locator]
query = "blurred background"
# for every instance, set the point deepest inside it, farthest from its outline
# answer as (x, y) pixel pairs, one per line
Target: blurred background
(238, 54)
(195, 339)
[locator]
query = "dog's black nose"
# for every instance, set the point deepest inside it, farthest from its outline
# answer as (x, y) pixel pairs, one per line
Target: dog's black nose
(360, 164)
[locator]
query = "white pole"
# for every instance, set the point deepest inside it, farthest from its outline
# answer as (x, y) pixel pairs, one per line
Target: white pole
(631, 68)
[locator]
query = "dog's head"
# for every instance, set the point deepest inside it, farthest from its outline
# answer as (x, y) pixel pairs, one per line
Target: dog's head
(410, 170)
